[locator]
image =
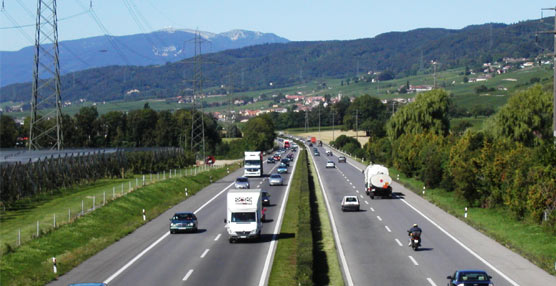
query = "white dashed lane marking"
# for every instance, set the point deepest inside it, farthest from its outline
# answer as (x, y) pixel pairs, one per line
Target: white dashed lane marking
(399, 242)
(187, 275)
(431, 282)
(205, 253)
(366, 202)
(372, 209)
(413, 260)
(357, 191)
(379, 218)
(217, 237)
(387, 228)
(361, 196)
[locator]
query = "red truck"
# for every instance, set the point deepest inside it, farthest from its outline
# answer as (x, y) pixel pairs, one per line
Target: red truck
(313, 140)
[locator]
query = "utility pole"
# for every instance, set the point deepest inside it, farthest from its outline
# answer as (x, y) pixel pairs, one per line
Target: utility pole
(319, 121)
(46, 101)
(357, 124)
(333, 111)
(434, 67)
(554, 66)
(306, 120)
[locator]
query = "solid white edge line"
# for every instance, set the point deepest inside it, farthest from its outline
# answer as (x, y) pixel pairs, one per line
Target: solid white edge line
(217, 237)
(431, 282)
(413, 260)
(399, 242)
(335, 230)
(187, 275)
(205, 253)
(272, 248)
(127, 265)
(463, 245)
(387, 228)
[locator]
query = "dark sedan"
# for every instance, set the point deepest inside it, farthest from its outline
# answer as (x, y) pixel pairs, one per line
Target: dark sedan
(470, 278)
(183, 222)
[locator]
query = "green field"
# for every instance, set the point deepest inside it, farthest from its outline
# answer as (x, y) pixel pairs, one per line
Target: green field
(451, 80)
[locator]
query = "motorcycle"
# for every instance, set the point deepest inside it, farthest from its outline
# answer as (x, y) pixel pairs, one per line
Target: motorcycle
(415, 242)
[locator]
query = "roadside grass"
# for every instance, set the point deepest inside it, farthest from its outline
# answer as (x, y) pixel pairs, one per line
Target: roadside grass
(73, 243)
(528, 239)
(327, 267)
(19, 222)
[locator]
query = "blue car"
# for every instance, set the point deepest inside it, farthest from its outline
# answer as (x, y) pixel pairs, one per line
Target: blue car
(282, 169)
(470, 277)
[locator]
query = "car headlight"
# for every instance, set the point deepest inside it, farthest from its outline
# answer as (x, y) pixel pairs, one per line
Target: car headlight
(191, 224)
(461, 284)
(253, 231)
(172, 224)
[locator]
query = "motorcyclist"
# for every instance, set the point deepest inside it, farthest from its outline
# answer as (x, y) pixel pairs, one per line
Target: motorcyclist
(415, 231)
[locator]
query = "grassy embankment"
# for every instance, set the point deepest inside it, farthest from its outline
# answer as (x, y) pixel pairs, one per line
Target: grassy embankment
(74, 242)
(309, 257)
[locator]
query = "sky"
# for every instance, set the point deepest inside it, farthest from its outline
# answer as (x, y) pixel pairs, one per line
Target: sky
(296, 20)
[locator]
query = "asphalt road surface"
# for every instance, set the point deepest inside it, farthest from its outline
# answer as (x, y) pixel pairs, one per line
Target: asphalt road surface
(152, 256)
(373, 243)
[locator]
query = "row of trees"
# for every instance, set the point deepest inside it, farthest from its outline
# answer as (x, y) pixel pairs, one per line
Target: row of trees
(510, 164)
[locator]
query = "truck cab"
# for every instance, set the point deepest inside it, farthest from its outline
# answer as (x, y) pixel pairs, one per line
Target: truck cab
(253, 164)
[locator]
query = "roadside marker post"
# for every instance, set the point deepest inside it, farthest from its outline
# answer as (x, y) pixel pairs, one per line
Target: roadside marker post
(19, 238)
(37, 228)
(103, 198)
(228, 170)
(54, 268)
(54, 221)
(465, 214)
(144, 215)
(129, 190)
(423, 190)
(69, 214)
(113, 192)
(143, 180)
(82, 206)
(186, 194)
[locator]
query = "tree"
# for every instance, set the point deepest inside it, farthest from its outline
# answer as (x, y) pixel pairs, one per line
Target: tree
(429, 113)
(527, 117)
(259, 133)
(367, 108)
(8, 132)
(386, 75)
(86, 124)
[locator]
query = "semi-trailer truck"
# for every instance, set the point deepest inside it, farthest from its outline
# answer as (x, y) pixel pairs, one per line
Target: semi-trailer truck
(244, 217)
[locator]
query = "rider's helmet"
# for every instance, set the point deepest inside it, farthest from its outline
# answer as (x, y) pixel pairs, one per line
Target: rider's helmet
(414, 225)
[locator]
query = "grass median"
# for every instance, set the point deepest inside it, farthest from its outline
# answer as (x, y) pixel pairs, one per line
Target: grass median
(73, 243)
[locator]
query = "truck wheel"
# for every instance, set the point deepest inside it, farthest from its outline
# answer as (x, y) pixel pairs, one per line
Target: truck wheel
(231, 240)
(372, 197)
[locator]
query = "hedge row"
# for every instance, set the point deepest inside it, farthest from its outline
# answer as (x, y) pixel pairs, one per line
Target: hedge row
(304, 271)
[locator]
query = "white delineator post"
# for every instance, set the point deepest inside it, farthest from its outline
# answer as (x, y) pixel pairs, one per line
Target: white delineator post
(54, 268)
(424, 190)
(186, 194)
(144, 215)
(465, 214)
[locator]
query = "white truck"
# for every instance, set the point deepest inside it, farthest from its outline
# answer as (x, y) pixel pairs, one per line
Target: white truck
(244, 214)
(253, 164)
(377, 181)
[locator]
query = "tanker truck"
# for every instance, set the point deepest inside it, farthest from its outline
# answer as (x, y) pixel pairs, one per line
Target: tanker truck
(377, 181)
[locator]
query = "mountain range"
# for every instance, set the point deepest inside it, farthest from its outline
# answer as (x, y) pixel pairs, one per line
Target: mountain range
(159, 47)
(290, 63)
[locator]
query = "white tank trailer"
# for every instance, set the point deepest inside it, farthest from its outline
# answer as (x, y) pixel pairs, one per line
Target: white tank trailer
(377, 181)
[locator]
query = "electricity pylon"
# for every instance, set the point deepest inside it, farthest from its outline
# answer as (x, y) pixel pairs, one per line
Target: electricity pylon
(46, 103)
(197, 110)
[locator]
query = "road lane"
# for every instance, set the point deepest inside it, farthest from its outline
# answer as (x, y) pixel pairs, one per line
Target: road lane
(177, 258)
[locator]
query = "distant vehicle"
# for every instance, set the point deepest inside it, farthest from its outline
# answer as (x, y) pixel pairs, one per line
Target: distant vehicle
(266, 198)
(286, 144)
(328, 153)
(183, 222)
(282, 169)
(320, 143)
(210, 160)
(341, 159)
(277, 157)
(317, 153)
(286, 161)
(377, 181)
(244, 214)
(290, 156)
(350, 203)
(253, 164)
(313, 140)
(330, 164)
(270, 160)
(310, 144)
(275, 180)
(470, 277)
(241, 183)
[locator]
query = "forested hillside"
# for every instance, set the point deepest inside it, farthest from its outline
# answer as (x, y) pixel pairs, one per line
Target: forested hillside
(255, 67)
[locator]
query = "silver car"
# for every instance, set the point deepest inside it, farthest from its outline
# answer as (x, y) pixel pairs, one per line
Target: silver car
(275, 180)
(242, 183)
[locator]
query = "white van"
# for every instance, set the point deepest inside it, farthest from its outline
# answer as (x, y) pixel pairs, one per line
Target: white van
(244, 218)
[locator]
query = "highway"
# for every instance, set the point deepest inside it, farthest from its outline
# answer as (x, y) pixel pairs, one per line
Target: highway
(374, 243)
(153, 256)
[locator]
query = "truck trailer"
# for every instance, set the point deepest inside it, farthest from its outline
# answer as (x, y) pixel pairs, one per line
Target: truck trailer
(244, 217)
(377, 181)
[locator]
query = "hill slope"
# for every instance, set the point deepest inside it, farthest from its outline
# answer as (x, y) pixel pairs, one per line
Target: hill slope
(285, 64)
(158, 47)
